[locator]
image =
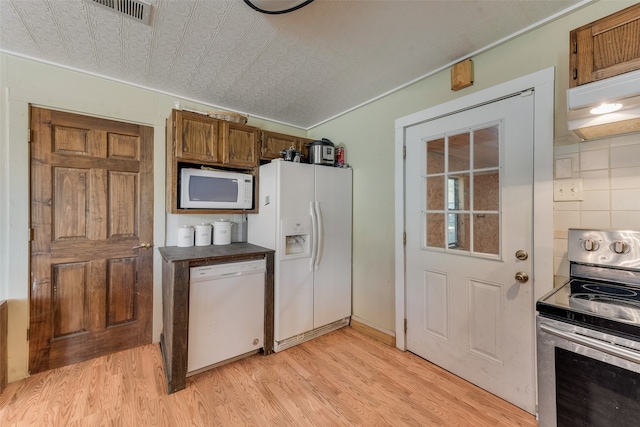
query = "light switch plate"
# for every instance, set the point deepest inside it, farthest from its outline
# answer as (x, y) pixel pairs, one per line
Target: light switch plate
(567, 190)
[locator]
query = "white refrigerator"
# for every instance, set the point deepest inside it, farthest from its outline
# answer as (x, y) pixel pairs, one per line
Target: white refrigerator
(305, 214)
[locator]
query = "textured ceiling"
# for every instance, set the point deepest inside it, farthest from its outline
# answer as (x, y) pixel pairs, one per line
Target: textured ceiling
(300, 68)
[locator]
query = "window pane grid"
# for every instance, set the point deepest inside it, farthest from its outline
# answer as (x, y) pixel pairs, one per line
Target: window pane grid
(461, 197)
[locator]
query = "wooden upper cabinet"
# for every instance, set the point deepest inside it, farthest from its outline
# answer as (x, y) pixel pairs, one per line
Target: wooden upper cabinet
(196, 137)
(272, 143)
(304, 149)
(195, 140)
(606, 47)
(239, 146)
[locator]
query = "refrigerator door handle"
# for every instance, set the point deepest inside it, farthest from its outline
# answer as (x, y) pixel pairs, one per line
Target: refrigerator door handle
(314, 236)
(320, 236)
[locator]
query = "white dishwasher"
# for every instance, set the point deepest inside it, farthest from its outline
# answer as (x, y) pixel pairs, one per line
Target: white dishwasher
(226, 313)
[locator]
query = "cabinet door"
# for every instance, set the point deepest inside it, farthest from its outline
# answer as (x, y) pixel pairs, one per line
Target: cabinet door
(272, 143)
(239, 145)
(196, 137)
(605, 48)
(302, 146)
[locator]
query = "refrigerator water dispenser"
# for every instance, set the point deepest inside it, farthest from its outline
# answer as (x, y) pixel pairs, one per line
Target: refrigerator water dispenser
(296, 235)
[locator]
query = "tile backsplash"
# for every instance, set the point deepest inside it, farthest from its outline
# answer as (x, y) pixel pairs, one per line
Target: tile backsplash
(175, 221)
(610, 170)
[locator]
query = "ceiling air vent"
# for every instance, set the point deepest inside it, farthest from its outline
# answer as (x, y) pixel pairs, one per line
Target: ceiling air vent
(134, 9)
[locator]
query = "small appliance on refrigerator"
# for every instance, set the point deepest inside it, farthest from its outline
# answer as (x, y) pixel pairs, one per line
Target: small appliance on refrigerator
(305, 214)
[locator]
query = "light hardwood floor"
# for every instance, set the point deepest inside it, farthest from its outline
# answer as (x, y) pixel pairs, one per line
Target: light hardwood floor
(344, 378)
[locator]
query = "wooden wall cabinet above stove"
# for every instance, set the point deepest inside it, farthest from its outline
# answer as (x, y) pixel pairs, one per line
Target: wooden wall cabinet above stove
(272, 143)
(606, 47)
(196, 139)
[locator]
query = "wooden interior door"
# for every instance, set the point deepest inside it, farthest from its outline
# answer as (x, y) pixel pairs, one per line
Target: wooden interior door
(92, 223)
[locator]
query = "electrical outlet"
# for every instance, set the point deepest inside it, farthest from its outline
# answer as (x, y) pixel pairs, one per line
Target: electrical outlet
(565, 190)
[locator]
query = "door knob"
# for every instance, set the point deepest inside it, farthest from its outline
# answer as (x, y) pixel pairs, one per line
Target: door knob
(522, 277)
(522, 255)
(145, 245)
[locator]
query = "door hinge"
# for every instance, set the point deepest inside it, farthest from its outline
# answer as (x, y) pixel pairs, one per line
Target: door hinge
(404, 238)
(30, 135)
(404, 152)
(405, 326)
(31, 234)
(28, 333)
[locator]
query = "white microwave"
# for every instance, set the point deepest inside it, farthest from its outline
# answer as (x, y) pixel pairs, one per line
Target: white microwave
(212, 189)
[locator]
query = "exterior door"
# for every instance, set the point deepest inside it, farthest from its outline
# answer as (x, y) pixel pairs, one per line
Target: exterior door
(469, 180)
(92, 223)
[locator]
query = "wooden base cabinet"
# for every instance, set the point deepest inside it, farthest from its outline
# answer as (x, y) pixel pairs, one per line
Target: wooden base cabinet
(175, 299)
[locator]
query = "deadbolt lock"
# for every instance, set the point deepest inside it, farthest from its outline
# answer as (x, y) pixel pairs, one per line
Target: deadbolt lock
(522, 255)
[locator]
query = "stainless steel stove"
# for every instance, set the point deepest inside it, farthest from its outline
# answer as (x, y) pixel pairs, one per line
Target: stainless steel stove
(588, 336)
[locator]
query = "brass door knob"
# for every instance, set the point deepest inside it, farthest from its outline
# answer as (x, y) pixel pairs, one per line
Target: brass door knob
(522, 277)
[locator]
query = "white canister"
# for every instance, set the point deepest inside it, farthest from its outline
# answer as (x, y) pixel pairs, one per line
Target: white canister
(222, 232)
(185, 236)
(203, 234)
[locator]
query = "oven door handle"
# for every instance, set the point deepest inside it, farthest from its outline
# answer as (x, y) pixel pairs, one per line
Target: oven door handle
(595, 344)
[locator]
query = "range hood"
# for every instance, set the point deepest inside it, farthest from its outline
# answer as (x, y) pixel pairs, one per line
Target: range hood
(621, 92)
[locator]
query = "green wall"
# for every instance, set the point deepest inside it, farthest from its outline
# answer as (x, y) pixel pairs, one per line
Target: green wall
(368, 135)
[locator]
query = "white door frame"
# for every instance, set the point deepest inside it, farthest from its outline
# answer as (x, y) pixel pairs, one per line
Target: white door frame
(543, 84)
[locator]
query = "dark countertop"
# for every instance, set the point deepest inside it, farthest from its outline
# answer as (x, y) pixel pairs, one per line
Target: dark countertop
(195, 253)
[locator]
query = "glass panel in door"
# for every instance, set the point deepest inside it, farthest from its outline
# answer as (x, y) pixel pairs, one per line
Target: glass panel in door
(462, 191)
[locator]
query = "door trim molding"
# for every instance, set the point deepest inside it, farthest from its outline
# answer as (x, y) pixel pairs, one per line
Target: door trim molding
(543, 84)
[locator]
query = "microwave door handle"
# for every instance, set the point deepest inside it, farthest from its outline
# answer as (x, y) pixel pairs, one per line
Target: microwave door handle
(314, 236)
(320, 236)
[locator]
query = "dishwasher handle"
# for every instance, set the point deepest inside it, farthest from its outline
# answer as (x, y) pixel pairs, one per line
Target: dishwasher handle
(232, 274)
(226, 271)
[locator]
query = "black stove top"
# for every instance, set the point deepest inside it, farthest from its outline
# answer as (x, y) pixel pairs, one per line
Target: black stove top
(603, 305)
(604, 289)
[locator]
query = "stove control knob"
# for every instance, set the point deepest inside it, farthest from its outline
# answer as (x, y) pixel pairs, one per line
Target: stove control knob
(590, 245)
(620, 247)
